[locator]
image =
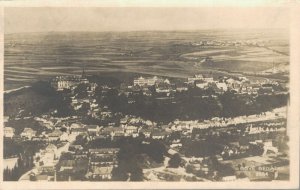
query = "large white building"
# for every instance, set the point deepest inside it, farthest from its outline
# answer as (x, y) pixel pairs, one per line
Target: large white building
(141, 81)
(66, 82)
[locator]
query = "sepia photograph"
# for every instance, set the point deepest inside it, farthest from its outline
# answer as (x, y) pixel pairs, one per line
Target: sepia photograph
(146, 94)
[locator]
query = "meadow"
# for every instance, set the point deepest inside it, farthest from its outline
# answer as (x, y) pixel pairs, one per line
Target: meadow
(30, 57)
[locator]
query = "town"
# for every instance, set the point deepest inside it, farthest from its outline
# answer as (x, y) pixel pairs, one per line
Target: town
(207, 127)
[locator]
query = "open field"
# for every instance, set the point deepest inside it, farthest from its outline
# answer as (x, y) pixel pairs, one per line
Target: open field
(33, 56)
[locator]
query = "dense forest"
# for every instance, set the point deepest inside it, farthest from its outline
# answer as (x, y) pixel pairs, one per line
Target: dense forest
(193, 104)
(38, 99)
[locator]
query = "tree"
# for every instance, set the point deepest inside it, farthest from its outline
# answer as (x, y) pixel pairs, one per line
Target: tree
(156, 151)
(63, 129)
(136, 173)
(175, 161)
(119, 173)
(175, 135)
(189, 168)
(66, 156)
(81, 90)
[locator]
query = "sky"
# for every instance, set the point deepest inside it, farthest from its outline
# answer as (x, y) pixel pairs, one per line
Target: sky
(54, 19)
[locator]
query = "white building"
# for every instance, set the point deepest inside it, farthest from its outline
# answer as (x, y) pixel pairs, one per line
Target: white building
(195, 78)
(141, 81)
(28, 133)
(222, 86)
(9, 132)
(202, 84)
(66, 82)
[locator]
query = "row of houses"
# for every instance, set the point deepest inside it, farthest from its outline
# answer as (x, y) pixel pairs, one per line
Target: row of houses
(92, 164)
(118, 132)
(219, 84)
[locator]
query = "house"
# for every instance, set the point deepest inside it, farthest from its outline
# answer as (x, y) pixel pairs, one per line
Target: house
(44, 122)
(162, 88)
(47, 156)
(46, 169)
(76, 125)
(51, 148)
(104, 151)
(146, 132)
(93, 128)
(103, 157)
(64, 137)
(180, 87)
(201, 84)
(208, 79)
(123, 121)
(158, 135)
(55, 135)
(9, 132)
(78, 131)
(100, 173)
(135, 134)
(174, 145)
(265, 90)
(222, 86)
(80, 154)
(215, 88)
(67, 82)
(66, 165)
(75, 147)
(112, 131)
(103, 160)
(117, 134)
(219, 157)
(141, 81)
(268, 146)
(129, 130)
(28, 133)
(147, 93)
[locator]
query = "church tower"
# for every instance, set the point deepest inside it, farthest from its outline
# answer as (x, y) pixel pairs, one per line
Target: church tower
(83, 75)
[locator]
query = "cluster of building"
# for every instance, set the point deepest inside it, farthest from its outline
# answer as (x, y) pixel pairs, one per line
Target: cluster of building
(240, 85)
(71, 161)
(101, 163)
(257, 43)
(77, 100)
(67, 82)
(216, 122)
(163, 87)
(65, 130)
(73, 164)
(89, 164)
(274, 127)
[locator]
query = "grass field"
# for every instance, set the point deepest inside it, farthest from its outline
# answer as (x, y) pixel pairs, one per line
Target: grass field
(33, 56)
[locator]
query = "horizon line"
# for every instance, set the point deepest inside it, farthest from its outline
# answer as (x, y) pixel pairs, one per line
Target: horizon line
(151, 30)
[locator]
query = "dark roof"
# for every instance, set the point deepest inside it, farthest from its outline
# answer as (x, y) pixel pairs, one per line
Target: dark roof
(78, 130)
(103, 150)
(92, 126)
